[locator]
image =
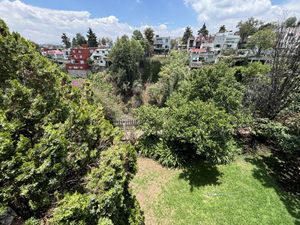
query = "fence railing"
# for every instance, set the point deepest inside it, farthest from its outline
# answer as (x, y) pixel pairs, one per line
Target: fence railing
(126, 124)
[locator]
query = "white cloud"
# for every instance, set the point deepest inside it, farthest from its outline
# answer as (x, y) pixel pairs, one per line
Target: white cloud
(218, 12)
(44, 25)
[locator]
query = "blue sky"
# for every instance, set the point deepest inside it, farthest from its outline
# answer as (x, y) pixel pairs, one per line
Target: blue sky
(172, 12)
(44, 21)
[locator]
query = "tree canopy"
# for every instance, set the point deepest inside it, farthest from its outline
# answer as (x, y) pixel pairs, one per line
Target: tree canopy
(262, 40)
(188, 33)
(65, 40)
(203, 31)
(247, 28)
(125, 57)
(91, 38)
(61, 160)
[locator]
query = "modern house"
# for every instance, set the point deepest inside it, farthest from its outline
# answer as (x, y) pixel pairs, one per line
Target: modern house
(204, 42)
(78, 65)
(162, 44)
(224, 41)
(100, 56)
(200, 56)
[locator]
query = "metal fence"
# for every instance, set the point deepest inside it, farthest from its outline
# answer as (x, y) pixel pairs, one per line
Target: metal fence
(126, 125)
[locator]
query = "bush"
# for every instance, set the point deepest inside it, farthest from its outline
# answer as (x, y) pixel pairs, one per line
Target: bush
(192, 129)
(285, 136)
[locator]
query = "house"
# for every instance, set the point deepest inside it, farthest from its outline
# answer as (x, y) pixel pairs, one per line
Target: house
(78, 65)
(200, 56)
(55, 55)
(100, 56)
(225, 41)
(162, 44)
(205, 42)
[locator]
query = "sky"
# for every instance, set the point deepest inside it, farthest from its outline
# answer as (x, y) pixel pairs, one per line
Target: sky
(43, 21)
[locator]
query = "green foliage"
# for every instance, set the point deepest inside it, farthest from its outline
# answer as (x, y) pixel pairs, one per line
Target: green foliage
(199, 116)
(190, 129)
(106, 94)
(283, 135)
(262, 40)
(65, 40)
(80, 40)
(137, 35)
(217, 84)
(125, 57)
(291, 21)
(149, 35)
(203, 31)
(247, 28)
(51, 137)
(222, 29)
(91, 38)
(187, 34)
(172, 73)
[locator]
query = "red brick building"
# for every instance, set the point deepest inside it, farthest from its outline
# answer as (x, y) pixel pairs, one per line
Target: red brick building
(78, 65)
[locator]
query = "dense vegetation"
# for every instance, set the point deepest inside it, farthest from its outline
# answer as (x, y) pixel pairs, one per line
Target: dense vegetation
(61, 160)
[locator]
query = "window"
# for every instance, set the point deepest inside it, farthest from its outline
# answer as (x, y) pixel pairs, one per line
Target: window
(81, 56)
(81, 62)
(79, 51)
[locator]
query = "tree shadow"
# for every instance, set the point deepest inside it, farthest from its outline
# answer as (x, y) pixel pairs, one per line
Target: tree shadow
(200, 174)
(276, 172)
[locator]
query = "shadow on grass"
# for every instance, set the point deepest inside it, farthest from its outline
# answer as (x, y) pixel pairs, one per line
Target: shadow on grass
(200, 174)
(276, 172)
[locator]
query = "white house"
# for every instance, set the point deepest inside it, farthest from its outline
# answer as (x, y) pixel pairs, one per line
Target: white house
(162, 44)
(227, 40)
(100, 56)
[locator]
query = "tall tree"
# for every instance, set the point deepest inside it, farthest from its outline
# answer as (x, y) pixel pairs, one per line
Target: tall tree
(91, 38)
(187, 34)
(291, 21)
(222, 29)
(52, 137)
(137, 35)
(149, 35)
(203, 31)
(248, 28)
(65, 40)
(80, 39)
(74, 43)
(125, 57)
(261, 40)
(284, 76)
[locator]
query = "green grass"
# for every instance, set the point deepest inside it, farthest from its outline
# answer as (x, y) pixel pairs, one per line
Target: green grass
(239, 193)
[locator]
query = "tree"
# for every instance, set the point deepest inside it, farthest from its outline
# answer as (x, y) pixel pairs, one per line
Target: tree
(74, 43)
(56, 145)
(261, 40)
(188, 33)
(125, 57)
(203, 31)
(149, 35)
(137, 35)
(80, 39)
(284, 75)
(248, 28)
(66, 40)
(91, 38)
(291, 21)
(222, 29)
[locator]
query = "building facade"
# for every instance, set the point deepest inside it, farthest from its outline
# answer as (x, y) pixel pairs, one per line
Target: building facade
(100, 56)
(162, 44)
(78, 65)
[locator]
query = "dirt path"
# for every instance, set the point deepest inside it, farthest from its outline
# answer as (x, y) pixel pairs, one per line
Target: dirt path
(148, 183)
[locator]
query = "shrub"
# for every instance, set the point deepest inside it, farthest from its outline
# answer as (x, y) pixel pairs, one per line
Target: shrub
(51, 137)
(192, 129)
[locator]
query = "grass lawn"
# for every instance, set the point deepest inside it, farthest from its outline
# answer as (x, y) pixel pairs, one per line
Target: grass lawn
(238, 193)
